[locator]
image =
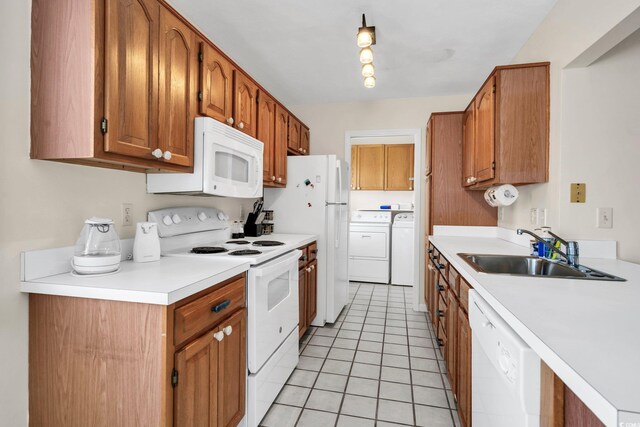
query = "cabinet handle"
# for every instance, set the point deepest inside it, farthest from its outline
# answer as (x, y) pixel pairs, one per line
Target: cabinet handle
(219, 335)
(167, 155)
(358, 188)
(157, 153)
(300, 149)
(230, 120)
(313, 267)
(314, 251)
(429, 267)
(279, 179)
(440, 342)
(227, 330)
(440, 313)
(273, 178)
(218, 308)
(241, 125)
(308, 269)
(440, 287)
(303, 258)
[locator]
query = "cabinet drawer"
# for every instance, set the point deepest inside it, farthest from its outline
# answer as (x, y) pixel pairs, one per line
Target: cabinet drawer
(454, 278)
(444, 267)
(464, 294)
(206, 311)
(312, 251)
(304, 257)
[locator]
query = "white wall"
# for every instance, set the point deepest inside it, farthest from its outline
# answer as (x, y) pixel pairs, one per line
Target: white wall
(571, 28)
(44, 204)
(373, 199)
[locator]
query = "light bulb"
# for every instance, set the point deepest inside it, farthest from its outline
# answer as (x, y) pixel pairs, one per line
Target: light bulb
(366, 56)
(364, 37)
(369, 82)
(367, 70)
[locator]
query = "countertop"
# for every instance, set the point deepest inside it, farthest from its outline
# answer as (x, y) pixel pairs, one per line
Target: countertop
(587, 332)
(162, 282)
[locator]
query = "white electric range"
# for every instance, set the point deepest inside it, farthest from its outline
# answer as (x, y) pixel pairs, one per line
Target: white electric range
(272, 291)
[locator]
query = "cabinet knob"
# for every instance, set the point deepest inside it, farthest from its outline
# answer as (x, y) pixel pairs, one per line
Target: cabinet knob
(358, 188)
(313, 267)
(273, 178)
(308, 269)
(230, 120)
(157, 153)
(167, 155)
(219, 335)
(241, 125)
(279, 179)
(300, 150)
(227, 330)
(304, 150)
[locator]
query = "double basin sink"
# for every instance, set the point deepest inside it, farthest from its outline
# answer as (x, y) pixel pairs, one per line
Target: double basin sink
(533, 267)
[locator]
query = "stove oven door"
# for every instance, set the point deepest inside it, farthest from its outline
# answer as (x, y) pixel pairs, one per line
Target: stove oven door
(272, 300)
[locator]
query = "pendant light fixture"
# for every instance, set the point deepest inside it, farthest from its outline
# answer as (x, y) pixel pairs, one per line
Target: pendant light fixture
(365, 39)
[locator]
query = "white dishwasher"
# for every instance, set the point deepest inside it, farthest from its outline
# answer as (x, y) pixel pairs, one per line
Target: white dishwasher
(505, 372)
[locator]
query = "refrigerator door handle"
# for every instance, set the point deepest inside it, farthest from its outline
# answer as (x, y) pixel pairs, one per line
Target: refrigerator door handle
(339, 172)
(335, 204)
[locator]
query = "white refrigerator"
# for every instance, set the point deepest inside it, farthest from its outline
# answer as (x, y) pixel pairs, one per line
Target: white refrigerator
(316, 201)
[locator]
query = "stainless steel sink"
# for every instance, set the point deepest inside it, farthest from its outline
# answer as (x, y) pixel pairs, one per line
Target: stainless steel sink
(533, 267)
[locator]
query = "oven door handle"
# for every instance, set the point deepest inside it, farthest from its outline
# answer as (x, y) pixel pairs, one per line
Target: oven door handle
(279, 264)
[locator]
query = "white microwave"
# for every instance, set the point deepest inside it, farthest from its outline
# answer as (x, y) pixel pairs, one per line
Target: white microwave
(226, 162)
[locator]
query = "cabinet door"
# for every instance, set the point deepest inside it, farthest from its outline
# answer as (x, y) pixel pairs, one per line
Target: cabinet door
(302, 301)
(282, 135)
(452, 335)
(354, 167)
(267, 134)
(398, 175)
(312, 291)
(294, 135)
(216, 84)
(232, 370)
(429, 149)
(131, 77)
(468, 146)
(244, 108)
(304, 139)
(464, 368)
(485, 131)
(178, 75)
(196, 394)
(370, 167)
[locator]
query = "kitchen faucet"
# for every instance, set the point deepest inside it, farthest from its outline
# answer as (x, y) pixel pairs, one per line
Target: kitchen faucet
(572, 256)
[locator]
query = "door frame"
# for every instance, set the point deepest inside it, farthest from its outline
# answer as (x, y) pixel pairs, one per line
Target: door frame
(418, 184)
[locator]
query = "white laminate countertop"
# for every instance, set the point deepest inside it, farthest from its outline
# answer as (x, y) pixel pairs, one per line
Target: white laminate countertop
(588, 332)
(162, 282)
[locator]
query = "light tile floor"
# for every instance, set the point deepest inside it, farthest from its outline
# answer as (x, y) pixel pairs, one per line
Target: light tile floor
(378, 365)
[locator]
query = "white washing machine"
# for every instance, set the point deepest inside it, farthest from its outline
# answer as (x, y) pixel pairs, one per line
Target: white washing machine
(370, 246)
(402, 249)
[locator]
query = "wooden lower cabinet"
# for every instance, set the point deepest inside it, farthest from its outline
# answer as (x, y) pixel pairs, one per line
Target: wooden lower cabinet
(302, 302)
(307, 287)
(463, 392)
(124, 363)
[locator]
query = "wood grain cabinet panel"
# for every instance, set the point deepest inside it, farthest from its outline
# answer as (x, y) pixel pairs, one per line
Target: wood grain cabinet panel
(267, 134)
(468, 146)
(302, 301)
(131, 77)
(452, 340)
(178, 89)
(354, 167)
(232, 370)
(244, 107)
(370, 167)
(312, 291)
(216, 84)
(484, 132)
(398, 174)
(305, 140)
(293, 143)
(464, 369)
(282, 135)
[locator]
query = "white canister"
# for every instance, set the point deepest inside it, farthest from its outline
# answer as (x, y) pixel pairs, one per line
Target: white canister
(146, 246)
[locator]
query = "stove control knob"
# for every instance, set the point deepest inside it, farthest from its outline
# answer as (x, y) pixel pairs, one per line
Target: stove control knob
(222, 216)
(176, 219)
(167, 220)
(202, 216)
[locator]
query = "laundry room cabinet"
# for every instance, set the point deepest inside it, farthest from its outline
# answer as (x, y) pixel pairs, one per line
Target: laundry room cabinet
(178, 365)
(382, 167)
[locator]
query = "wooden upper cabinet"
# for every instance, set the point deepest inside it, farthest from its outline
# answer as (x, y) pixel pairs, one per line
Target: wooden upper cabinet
(510, 128)
(428, 152)
(468, 146)
(267, 134)
(294, 135)
(232, 370)
(216, 84)
(131, 77)
(304, 139)
(398, 173)
(370, 167)
(196, 396)
(244, 107)
(178, 60)
(281, 139)
(484, 132)
(354, 167)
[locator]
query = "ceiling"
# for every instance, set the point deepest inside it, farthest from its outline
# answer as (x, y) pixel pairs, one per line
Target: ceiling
(304, 52)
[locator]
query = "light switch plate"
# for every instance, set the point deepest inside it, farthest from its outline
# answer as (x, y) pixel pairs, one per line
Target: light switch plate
(604, 218)
(578, 192)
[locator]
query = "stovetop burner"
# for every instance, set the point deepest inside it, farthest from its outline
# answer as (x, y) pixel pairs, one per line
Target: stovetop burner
(208, 250)
(245, 252)
(238, 242)
(267, 243)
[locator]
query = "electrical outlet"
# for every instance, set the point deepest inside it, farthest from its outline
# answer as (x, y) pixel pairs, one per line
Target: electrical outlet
(604, 218)
(127, 214)
(533, 216)
(542, 216)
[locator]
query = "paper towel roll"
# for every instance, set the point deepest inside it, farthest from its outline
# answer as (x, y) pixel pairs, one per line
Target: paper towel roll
(502, 195)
